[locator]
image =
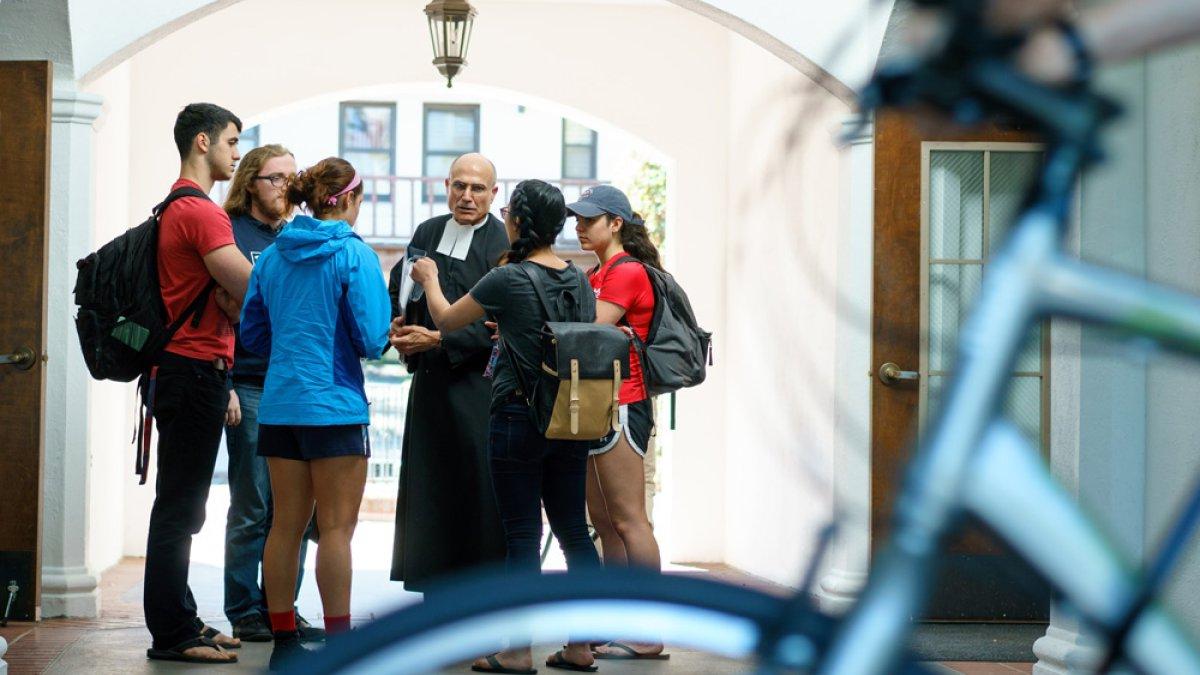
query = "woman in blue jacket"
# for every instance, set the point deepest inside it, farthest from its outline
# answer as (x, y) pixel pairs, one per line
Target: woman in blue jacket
(316, 305)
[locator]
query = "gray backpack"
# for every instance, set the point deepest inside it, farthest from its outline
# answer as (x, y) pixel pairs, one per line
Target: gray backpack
(677, 350)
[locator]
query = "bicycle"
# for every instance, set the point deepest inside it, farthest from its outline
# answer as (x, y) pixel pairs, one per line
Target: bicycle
(956, 470)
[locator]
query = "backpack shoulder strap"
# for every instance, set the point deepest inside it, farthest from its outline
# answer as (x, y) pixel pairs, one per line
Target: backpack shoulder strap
(185, 191)
(586, 294)
(539, 289)
(195, 310)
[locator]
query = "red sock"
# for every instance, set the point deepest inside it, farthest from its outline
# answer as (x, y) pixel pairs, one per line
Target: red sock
(283, 622)
(337, 624)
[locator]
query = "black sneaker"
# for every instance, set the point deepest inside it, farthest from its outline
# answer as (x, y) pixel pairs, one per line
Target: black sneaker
(252, 628)
(287, 652)
(307, 631)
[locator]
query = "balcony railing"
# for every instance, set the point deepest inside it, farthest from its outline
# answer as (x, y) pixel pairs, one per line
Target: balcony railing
(395, 205)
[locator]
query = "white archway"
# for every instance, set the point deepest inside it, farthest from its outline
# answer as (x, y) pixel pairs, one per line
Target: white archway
(679, 106)
(715, 102)
(814, 45)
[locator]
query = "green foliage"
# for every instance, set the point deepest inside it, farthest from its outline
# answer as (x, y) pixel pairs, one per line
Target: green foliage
(648, 194)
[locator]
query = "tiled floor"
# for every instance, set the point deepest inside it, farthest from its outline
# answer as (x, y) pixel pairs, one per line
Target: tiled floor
(116, 642)
(61, 650)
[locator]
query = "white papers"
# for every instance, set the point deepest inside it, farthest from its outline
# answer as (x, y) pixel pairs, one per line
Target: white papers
(409, 290)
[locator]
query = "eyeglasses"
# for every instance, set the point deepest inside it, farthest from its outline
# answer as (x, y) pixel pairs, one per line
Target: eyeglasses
(277, 179)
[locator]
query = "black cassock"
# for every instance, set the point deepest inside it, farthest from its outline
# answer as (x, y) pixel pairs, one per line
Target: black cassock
(446, 518)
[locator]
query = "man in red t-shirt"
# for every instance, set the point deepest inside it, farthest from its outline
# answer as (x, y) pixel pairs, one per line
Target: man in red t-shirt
(190, 399)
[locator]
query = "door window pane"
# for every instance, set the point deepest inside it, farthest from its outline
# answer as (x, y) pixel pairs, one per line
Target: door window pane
(952, 289)
(1010, 176)
(971, 198)
(956, 205)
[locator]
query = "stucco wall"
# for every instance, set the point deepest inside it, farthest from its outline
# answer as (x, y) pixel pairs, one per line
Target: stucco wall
(1122, 432)
(778, 346)
(1173, 257)
(111, 404)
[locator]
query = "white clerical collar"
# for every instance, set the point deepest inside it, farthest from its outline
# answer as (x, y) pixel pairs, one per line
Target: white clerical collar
(456, 238)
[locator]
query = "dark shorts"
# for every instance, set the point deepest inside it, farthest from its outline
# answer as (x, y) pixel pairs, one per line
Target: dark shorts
(306, 443)
(637, 425)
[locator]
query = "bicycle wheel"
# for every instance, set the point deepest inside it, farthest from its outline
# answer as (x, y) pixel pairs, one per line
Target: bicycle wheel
(476, 616)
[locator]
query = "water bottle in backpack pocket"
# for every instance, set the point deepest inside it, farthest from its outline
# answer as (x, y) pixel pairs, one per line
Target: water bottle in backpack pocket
(122, 322)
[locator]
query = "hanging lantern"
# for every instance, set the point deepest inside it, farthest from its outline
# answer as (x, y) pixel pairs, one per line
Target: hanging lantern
(450, 23)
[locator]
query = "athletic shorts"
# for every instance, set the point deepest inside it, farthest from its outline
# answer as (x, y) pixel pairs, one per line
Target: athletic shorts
(306, 443)
(637, 425)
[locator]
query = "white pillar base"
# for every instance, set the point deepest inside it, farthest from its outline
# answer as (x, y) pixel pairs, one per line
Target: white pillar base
(839, 589)
(70, 592)
(3, 651)
(1062, 651)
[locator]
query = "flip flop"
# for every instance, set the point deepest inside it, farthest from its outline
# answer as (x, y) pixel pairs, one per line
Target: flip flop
(630, 655)
(176, 653)
(212, 634)
(559, 660)
(494, 666)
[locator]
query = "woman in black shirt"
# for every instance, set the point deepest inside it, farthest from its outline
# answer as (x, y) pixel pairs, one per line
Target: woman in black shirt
(528, 470)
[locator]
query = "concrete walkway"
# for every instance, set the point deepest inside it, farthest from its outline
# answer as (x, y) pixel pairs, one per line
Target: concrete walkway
(117, 641)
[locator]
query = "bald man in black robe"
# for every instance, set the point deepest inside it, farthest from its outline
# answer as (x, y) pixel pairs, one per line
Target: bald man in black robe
(446, 518)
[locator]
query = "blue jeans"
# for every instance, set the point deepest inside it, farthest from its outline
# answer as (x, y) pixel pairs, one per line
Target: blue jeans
(529, 471)
(249, 518)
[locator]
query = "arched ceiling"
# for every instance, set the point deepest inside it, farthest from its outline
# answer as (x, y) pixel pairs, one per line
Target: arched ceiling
(835, 43)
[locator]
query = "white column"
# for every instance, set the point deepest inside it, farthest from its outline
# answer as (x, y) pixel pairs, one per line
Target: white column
(69, 587)
(847, 571)
(1099, 397)
(1065, 649)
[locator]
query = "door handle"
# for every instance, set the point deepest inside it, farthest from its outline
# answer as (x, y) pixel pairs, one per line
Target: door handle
(23, 358)
(891, 375)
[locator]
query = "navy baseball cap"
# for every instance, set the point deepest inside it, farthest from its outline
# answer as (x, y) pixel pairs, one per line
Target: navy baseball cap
(602, 199)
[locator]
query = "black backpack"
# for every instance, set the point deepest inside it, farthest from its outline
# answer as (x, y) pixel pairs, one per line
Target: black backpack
(677, 350)
(122, 321)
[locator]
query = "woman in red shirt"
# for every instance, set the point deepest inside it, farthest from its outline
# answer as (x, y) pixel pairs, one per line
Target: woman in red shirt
(616, 492)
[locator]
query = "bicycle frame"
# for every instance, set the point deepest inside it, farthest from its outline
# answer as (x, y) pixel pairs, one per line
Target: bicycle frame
(974, 461)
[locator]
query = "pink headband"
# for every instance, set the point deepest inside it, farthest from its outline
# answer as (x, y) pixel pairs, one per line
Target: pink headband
(354, 182)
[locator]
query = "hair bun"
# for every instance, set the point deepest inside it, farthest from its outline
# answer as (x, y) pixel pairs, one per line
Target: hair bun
(313, 186)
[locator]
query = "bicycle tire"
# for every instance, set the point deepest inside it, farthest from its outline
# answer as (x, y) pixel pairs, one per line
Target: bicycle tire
(473, 616)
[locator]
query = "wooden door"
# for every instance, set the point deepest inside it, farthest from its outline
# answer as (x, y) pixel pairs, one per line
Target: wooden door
(24, 194)
(943, 199)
